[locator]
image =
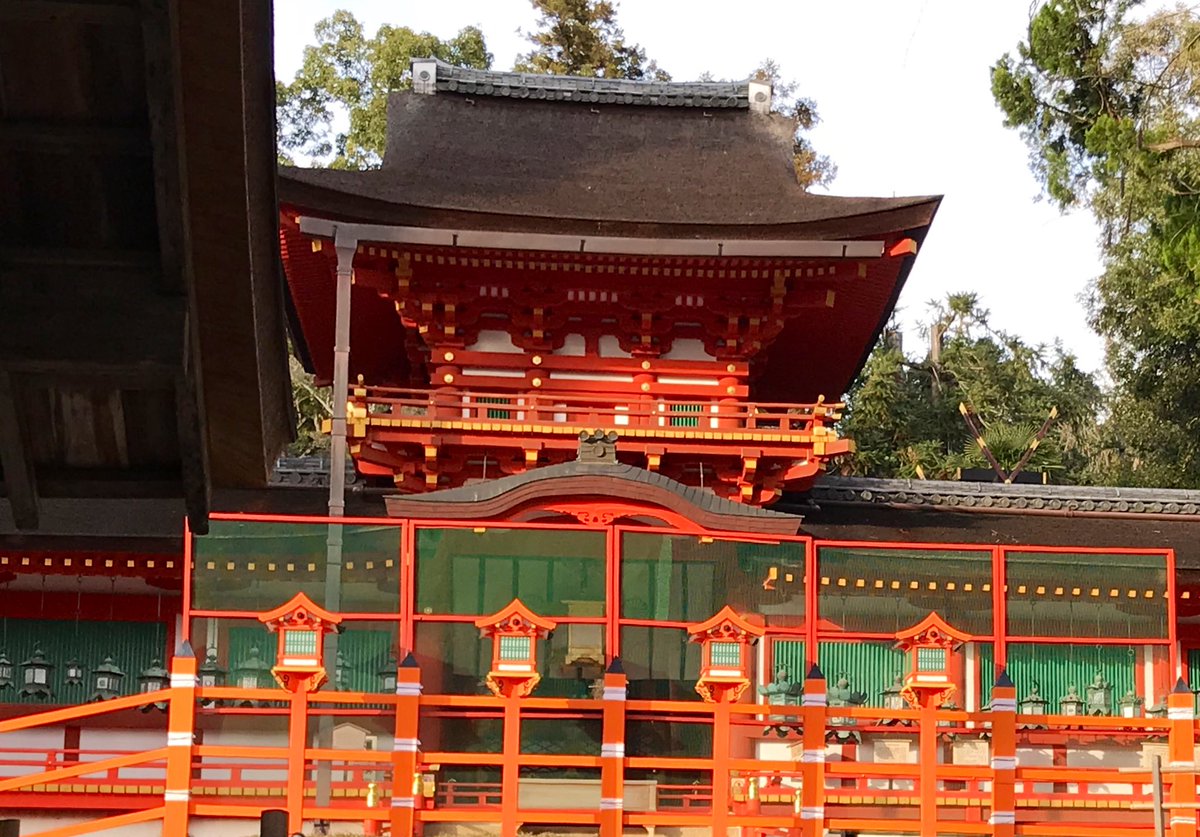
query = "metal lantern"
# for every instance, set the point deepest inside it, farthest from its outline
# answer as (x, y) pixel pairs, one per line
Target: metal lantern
(1099, 696)
(341, 673)
(387, 675)
(210, 674)
(153, 678)
(1070, 703)
(73, 672)
(254, 672)
(1158, 710)
(35, 676)
(6, 671)
(1130, 705)
(1033, 703)
(106, 680)
(893, 697)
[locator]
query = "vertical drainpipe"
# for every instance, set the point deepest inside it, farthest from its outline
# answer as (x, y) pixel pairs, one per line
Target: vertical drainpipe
(345, 246)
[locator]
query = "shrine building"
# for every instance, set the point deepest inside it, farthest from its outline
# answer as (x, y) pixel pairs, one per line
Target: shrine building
(582, 562)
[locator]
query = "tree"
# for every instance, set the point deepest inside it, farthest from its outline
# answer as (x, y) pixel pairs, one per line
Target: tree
(1109, 106)
(348, 72)
(582, 38)
(904, 414)
(812, 169)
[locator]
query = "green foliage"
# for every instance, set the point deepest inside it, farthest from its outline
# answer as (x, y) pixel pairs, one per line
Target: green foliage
(903, 414)
(812, 169)
(348, 71)
(312, 404)
(1107, 103)
(582, 38)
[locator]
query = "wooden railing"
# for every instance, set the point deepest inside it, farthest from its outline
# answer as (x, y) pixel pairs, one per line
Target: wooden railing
(802, 790)
(397, 408)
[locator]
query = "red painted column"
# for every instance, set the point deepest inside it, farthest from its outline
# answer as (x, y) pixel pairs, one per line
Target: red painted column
(297, 744)
(1004, 757)
(812, 759)
(612, 752)
(510, 773)
(406, 747)
(180, 730)
(1181, 749)
(928, 765)
(720, 772)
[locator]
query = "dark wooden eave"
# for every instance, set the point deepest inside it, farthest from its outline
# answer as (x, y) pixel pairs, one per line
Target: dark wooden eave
(936, 511)
(501, 498)
(142, 347)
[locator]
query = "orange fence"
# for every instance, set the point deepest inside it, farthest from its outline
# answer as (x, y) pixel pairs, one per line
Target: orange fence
(398, 408)
(840, 768)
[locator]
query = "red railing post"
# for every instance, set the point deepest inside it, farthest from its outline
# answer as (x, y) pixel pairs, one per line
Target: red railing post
(181, 719)
(812, 759)
(1181, 711)
(297, 758)
(1004, 757)
(510, 773)
(612, 752)
(405, 747)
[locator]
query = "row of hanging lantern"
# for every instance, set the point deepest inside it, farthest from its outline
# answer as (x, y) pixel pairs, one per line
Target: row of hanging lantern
(34, 678)
(254, 672)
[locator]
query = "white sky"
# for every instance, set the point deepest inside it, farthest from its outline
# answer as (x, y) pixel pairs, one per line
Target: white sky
(903, 92)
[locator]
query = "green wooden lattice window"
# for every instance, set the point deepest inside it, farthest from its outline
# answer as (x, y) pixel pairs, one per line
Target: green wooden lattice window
(728, 654)
(685, 420)
(493, 412)
(514, 648)
(300, 643)
(931, 659)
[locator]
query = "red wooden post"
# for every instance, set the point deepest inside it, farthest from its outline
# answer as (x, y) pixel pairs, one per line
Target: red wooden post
(720, 768)
(612, 752)
(406, 747)
(510, 773)
(180, 729)
(1181, 710)
(297, 744)
(812, 759)
(1004, 757)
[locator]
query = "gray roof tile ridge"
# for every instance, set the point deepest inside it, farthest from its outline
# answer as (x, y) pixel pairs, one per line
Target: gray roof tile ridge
(452, 78)
(952, 493)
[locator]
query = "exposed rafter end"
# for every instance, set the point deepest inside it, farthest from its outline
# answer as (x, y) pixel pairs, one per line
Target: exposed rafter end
(903, 247)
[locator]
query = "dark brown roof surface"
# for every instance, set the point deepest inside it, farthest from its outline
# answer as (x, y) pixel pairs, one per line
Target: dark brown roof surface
(610, 167)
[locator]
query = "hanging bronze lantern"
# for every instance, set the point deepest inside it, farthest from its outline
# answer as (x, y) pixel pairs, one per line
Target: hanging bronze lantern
(211, 673)
(6, 671)
(106, 680)
(387, 675)
(73, 672)
(35, 676)
(152, 679)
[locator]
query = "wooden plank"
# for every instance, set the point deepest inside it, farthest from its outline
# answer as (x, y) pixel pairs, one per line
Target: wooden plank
(74, 138)
(19, 479)
(117, 323)
(97, 11)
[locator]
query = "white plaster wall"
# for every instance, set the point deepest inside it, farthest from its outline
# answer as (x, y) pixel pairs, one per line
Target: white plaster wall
(494, 341)
(124, 740)
(246, 738)
(687, 348)
(40, 740)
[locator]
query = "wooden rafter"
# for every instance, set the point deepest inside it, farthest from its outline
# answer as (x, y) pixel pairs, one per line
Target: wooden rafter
(19, 479)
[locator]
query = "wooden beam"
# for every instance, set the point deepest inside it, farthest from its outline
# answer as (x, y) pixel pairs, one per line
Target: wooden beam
(99, 11)
(20, 482)
(75, 138)
(193, 453)
(160, 54)
(115, 323)
(34, 259)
